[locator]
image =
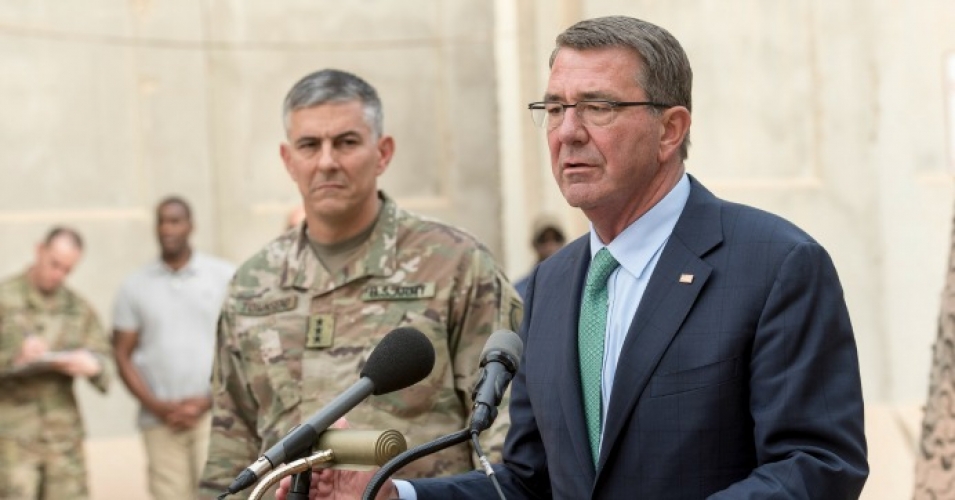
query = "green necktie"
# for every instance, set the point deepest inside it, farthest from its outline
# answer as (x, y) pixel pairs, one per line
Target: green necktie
(590, 341)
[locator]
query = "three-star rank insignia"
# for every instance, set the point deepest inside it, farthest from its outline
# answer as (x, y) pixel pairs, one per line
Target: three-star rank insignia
(321, 331)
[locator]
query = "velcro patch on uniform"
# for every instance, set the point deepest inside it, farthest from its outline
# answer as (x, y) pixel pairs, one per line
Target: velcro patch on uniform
(266, 307)
(398, 291)
(321, 331)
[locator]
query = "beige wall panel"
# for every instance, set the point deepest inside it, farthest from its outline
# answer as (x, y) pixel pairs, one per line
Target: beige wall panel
(89, 17)
(134, 22)
(330, 22)
(908, 161)
(65, 108)
(171, 126)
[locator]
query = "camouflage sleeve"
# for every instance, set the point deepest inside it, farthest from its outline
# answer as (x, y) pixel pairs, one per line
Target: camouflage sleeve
(9, 345)
(489, 303)
(11, 336)
(234, 442)
(96, 342)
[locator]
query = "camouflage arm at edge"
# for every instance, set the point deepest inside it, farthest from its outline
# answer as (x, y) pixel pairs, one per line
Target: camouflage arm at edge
(491, 304)
(234, 442)
(96, 342)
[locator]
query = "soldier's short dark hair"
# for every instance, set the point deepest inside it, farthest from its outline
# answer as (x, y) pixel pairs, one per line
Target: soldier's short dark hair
(176, 200)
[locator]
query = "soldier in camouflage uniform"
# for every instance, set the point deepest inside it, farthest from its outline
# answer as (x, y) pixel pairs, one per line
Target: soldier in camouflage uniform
(48, 336)
(304, 313)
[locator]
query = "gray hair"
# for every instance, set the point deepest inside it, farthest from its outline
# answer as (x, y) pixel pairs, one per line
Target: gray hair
(666, 76)
(332, 85)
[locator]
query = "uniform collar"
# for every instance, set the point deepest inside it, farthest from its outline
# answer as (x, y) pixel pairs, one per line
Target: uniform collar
(378, 258)
(36, 300)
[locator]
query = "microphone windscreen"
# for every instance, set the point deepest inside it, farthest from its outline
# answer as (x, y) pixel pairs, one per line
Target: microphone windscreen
(505, 341)
(362, 447)
(404, 357)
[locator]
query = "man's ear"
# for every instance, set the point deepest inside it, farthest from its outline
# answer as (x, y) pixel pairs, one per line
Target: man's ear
(386, 150)
(285, 151)
(674, 125)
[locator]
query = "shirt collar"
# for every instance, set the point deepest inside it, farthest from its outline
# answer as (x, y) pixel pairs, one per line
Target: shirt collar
(189, 269)
(636, 246)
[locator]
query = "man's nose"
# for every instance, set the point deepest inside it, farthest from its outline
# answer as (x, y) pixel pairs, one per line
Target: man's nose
(327, 159)
(571, 129)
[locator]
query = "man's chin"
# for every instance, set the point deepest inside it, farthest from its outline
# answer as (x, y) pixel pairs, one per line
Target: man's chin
(576, 196)
(331, 209)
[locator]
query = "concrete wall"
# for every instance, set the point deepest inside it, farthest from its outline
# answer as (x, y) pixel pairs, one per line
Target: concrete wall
(836, 115)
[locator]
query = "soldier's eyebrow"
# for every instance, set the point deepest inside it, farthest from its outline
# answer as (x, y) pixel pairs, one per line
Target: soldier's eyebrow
(307, 140)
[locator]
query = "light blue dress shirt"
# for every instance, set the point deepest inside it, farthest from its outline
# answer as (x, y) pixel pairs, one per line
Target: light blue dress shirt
(638, 250)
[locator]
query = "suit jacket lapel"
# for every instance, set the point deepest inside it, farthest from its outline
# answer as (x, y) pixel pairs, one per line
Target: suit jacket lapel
(665, 304)
(565, 309)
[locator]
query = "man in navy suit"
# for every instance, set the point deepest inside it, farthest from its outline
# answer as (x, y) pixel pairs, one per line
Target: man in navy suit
(728, 369)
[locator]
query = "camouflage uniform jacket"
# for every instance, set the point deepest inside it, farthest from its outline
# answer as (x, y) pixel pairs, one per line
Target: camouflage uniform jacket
(39, 409)
(292, 337)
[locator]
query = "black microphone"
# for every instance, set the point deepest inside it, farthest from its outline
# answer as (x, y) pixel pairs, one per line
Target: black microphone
(500, 359)
(404, 357)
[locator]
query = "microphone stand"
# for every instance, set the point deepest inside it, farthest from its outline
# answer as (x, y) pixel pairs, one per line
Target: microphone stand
(408, 456)
(301, 481)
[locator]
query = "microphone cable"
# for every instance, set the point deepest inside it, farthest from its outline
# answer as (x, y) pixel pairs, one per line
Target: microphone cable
(486, 464)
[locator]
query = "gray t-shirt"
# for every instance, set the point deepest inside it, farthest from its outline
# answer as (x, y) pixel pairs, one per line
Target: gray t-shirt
(175, 313)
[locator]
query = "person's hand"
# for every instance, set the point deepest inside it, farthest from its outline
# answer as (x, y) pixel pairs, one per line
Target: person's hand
(195, 406)
(180, 420)
(185, 413)
(32, 348)
(334, 484)
(78, 363)
(168, 413)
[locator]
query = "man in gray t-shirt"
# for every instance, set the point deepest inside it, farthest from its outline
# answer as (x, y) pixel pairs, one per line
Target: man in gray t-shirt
(164, 323)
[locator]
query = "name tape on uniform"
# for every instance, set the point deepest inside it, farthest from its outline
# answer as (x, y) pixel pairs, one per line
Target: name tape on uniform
(401, 291)
(266, 307)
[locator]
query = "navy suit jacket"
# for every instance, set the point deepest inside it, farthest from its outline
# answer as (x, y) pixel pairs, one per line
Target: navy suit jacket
(738, 381)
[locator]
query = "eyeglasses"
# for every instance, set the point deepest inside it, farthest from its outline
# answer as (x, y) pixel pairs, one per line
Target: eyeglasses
(598, 113)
